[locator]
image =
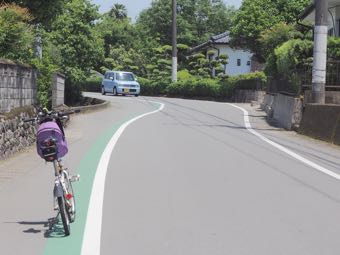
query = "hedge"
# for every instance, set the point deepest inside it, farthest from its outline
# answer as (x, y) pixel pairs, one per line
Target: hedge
(152, 88)
(92, 84)
(195, 88)
(249, 81)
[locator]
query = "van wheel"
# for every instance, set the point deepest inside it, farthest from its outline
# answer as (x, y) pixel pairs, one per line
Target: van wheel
(114, 91)
(136, 95)
(103, 91)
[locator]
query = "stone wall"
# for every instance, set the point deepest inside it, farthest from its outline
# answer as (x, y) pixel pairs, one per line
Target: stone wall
(58, 90)
(17, 86)
(15, 135)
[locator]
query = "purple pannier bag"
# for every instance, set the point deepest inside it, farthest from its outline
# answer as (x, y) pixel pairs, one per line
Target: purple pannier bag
(51, 143)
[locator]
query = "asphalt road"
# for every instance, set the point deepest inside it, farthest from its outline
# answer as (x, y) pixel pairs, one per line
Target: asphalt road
(190, 179)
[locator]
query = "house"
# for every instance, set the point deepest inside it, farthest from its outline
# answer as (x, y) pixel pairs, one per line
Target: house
(239, 60)
(333, 16)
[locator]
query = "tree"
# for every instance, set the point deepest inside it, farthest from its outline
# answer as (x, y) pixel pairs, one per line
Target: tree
(43, 11)
(255, 16)
(197, 20)
(80, 47)
(115, 32)
(118, 11)
(16, 35)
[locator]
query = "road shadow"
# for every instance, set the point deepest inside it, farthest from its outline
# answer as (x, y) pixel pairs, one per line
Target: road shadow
(52, 228)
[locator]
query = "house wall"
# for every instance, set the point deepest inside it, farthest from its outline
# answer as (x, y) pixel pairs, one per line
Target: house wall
(234, 54)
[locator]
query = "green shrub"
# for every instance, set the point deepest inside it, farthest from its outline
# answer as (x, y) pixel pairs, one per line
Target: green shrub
(152, 88)
(92, 84)
(250, 81)
(333, 50)
(194, 87)
(292, 55)
(183, 75)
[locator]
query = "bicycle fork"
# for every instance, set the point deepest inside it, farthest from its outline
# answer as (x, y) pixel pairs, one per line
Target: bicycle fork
(59, 189)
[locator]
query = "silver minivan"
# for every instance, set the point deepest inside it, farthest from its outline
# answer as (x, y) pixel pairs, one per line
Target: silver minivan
(120, 82)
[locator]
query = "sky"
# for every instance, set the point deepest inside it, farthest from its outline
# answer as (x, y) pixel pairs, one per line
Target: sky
(136, 6)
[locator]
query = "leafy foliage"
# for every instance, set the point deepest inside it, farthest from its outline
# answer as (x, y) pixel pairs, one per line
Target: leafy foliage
(255, 16)
(197, 20)
(79, 46)
(44, 11)
(334, 48)
(16, 35)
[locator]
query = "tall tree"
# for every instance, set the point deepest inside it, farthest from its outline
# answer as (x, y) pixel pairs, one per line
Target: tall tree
(255, 16)
(197, 20)
(118, 11)
(43, 11)
(16, 35)
(80, 47)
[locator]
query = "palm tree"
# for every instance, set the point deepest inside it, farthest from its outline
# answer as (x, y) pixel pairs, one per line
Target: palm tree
(118, 11)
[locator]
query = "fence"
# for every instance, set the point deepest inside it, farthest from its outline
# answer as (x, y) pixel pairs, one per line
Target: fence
(301, 80)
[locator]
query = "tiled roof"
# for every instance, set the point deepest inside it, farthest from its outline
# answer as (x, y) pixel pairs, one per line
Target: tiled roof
(223, 38)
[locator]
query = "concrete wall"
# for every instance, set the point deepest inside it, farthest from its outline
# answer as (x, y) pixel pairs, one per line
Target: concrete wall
(58, 90)
(332, 97)
(285, 110)
(17, 86)
(321, 122)
(246, 96)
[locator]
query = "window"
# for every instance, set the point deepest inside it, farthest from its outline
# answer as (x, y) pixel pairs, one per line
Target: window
(248, 63)
(331, 32)
(238, 62)
(125, 77)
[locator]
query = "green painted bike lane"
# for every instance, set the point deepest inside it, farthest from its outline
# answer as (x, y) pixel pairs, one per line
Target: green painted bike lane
(57, 243)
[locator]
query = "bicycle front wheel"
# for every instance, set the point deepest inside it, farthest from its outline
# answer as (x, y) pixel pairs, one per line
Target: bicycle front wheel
(64, 216)
(69, 198)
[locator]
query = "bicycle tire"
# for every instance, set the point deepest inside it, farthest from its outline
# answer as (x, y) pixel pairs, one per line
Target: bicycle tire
(70, 203)
(63, 214)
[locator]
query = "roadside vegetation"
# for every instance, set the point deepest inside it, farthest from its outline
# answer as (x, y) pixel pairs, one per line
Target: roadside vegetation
(80, 42)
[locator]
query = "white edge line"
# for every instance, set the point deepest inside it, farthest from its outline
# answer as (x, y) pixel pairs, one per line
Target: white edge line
(282, 148)
(92, 232)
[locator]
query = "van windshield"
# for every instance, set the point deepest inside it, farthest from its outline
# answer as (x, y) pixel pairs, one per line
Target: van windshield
(125, 77)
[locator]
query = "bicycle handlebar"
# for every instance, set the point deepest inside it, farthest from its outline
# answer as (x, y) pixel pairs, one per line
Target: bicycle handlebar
(50, 114)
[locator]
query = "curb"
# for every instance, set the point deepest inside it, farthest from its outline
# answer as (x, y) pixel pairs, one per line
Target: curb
(94, 107)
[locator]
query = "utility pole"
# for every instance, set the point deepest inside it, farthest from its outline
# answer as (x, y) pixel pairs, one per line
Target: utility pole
(174, 41)
(320, 51)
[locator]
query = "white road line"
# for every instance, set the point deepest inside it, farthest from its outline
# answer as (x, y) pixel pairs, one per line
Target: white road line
(284, 149)
(92, 233)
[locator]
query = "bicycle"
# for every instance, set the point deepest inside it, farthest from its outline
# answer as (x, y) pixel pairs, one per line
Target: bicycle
(52, 146)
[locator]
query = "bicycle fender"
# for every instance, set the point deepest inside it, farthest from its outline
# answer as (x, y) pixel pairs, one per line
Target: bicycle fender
(58, 190)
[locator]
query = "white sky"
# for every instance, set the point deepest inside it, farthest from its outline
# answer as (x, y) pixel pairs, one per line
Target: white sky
(135, 6)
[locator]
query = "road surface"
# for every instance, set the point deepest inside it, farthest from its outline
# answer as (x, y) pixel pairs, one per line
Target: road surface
(186, 179)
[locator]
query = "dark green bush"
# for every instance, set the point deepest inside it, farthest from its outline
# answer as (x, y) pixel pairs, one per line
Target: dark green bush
(92, 84)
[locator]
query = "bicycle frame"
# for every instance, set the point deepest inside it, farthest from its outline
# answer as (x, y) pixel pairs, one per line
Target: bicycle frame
(59, 183)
